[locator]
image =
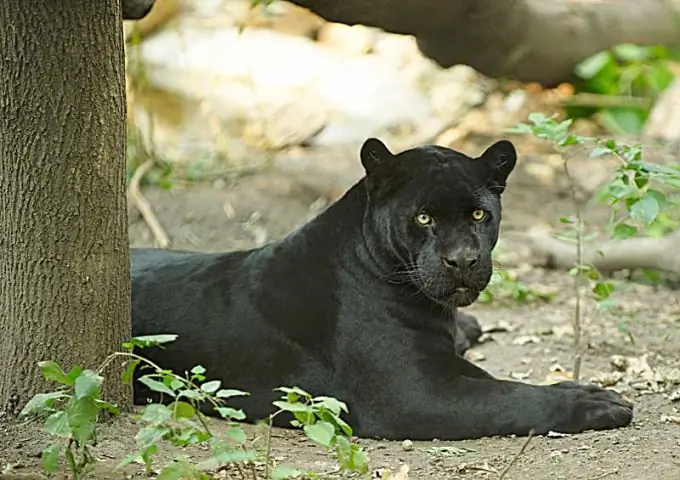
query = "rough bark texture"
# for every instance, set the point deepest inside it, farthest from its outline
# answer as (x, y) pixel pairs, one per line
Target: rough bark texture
(64, 257)
(529, 40)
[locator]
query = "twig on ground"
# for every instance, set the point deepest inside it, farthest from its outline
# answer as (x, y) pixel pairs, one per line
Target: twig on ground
(135, 198)
(507, 468)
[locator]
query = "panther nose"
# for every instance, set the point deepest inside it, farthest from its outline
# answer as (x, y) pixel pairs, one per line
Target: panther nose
(463, 258)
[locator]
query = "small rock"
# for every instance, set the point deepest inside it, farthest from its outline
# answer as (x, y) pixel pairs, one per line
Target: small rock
(674, 396)
(619, 362)
(520, 375)
(526, 339)
(474, 356)
(671, 419)
(608, 379)
(407, 445)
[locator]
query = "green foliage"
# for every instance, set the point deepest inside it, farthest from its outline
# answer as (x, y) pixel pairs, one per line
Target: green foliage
(319, 417)
(627, 71)
(505, 287)
(636, 194)
(72, 412)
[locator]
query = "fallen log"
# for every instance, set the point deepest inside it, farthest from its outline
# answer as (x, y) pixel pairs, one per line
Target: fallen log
(608, 256)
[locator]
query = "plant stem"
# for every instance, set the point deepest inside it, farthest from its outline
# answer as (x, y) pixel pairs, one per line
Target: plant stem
(578, 357)
(269, 446)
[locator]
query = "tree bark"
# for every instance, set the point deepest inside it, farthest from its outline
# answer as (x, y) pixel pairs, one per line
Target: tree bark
(64, 255)
(529, 40)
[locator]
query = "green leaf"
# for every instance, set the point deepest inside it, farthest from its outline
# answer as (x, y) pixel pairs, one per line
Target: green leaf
(176, 470)
(230, 413)
(332, 404)
(156, 386)
(109, 407)
(622, 231)
(82, 418)
(292, 407)
(129, 371)
(225, 457)
(50, 458)
(629, 52)
(74, 373)
(176, 384)
(211, 386)
(54, 373)
(645, 209)
(592, 65)
(228, 393)
(622, 120)
(57, 425)
(237, 434)
(603, 290)
(156, 413)
(182, 410)
(296, 390)
(149, 436)
(145, 341)
(322, 433)
(192, 394)
(198, 370)
(281, 472)
(41, 403)
(598, 152)
(88, 384)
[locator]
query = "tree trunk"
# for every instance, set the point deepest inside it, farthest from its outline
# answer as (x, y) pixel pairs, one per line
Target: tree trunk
(64, 255)
(529, 40)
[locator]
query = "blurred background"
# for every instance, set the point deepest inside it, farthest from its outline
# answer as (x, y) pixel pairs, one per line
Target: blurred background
(247, 118)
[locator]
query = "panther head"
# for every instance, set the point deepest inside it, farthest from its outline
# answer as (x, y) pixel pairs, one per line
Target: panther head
(435, 214)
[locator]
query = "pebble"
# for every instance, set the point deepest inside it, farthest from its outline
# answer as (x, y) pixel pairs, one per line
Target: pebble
(407, 445)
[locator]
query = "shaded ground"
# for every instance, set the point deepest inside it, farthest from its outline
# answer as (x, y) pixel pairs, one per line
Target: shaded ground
(532, 345)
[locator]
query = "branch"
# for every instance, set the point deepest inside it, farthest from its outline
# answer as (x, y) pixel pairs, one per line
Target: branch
(652, 253)
(529, 40)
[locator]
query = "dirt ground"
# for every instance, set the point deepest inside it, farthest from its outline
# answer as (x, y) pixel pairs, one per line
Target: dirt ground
(530, 342)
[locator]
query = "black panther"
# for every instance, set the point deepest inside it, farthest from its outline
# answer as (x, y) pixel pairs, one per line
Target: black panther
(361, 304)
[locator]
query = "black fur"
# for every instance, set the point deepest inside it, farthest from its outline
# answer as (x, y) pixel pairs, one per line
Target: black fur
(360, 304)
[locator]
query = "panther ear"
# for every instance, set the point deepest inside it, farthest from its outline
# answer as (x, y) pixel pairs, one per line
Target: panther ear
(375, 155)
(501, 157)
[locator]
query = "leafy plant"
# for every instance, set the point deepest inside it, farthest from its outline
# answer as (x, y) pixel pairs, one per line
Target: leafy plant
(625, 71)
(634, 194)
(73, 411)
(505, 287)
(319, 417)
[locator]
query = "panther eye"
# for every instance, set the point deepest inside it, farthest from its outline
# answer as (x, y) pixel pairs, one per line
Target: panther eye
(424, 219)
(478, 215)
